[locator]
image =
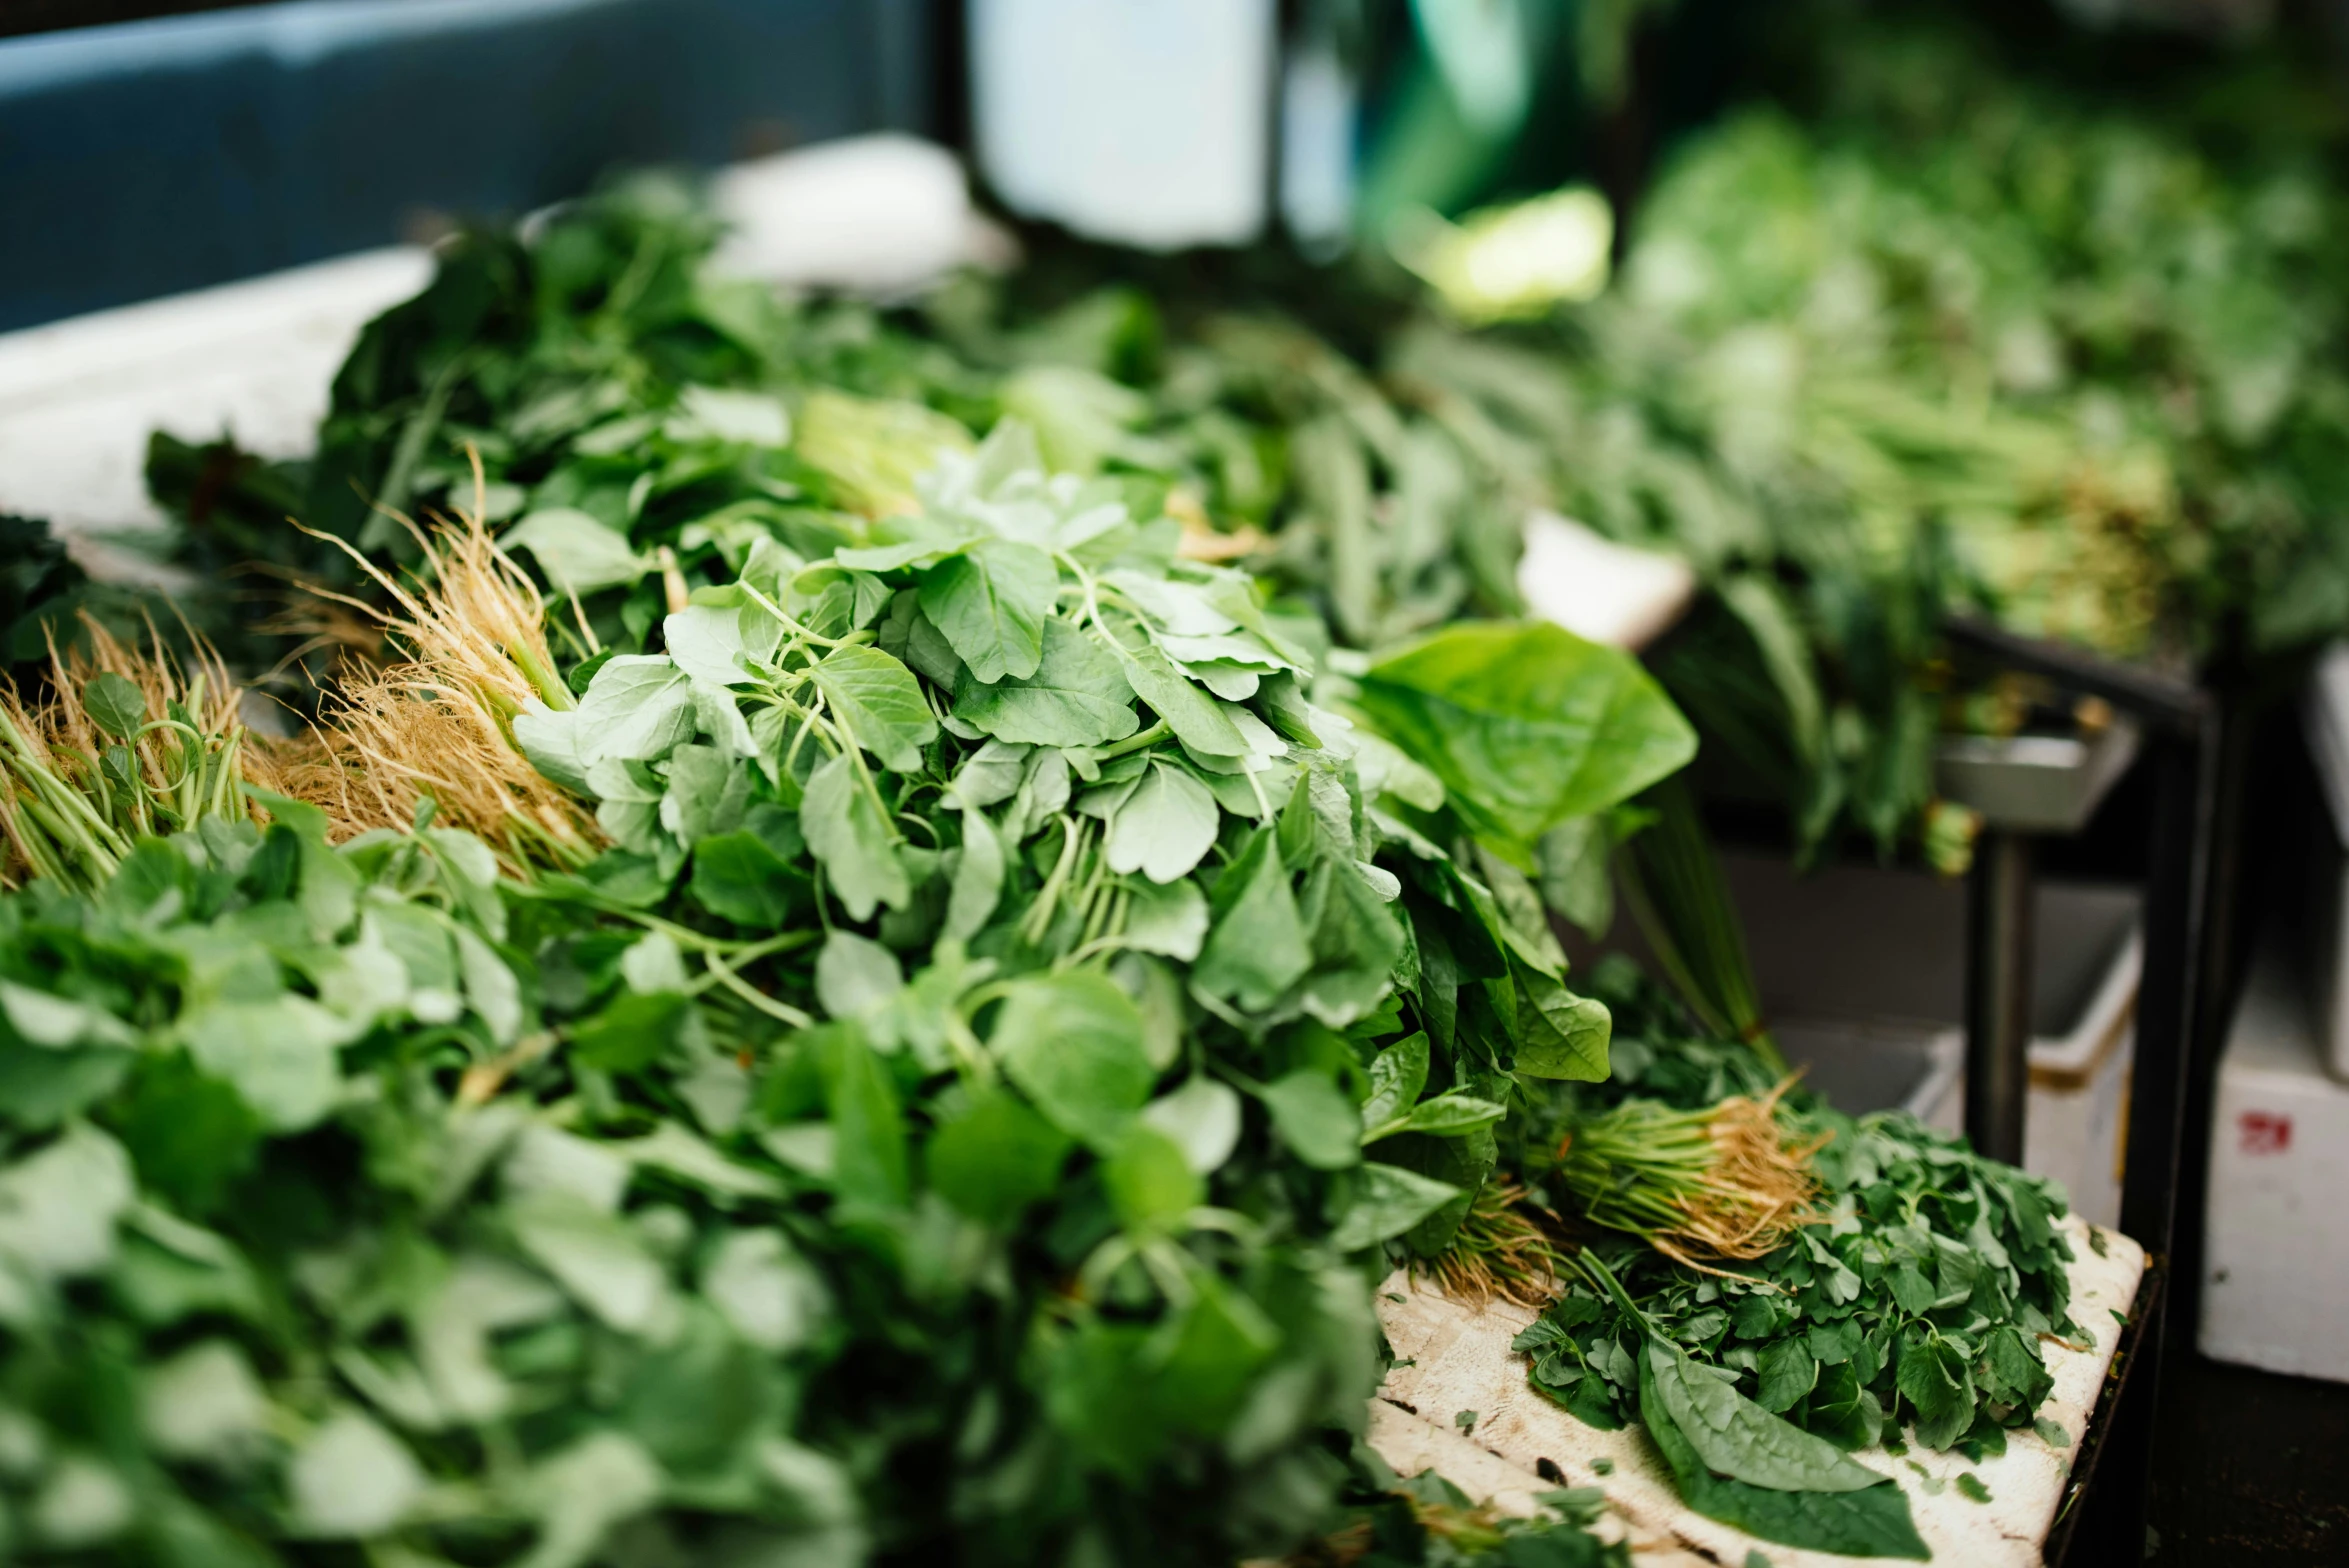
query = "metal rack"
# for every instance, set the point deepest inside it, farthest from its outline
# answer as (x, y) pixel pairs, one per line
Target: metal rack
(2185, 737)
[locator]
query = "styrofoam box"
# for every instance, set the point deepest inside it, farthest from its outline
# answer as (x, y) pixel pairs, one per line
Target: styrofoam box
(2276, 1258)
(2324, 722)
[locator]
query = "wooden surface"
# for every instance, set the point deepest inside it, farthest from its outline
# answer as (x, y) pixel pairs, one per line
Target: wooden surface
(1458, 1359)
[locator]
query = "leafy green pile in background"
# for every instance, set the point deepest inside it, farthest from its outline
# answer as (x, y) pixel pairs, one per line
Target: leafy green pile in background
(1960, 340)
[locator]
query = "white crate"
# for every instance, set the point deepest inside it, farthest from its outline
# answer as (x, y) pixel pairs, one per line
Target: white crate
(2276, 1259)
(2324, 723)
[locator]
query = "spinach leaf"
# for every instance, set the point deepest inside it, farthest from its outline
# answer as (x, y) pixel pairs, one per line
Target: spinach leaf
(991, 600)
(1527, 725)
(1873, 1521)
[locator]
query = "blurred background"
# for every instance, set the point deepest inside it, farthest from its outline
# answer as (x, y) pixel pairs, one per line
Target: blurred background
(1951, 400)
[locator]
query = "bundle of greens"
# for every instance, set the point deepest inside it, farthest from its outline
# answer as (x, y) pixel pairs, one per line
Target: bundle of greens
(1016, 1018)
(1736, 1462)
(1918, 1299)
(142, 744)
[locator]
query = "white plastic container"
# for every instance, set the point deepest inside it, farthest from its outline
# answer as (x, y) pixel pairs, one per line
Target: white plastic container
(2324, 723)
(1145, 122)
(2276, 1259)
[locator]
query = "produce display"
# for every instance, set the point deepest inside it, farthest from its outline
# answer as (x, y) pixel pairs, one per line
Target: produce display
(1915, 1300)
(938, 1047)
(1954, 343)
(875, 926)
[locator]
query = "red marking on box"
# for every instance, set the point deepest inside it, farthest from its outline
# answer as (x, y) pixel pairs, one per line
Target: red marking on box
(2264, 1132)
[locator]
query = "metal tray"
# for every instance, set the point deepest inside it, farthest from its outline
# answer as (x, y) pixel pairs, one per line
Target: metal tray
(2035, 783)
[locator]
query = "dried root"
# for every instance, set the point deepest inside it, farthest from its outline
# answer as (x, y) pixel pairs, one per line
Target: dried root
(1722, 1184)
(74, 798)
(468, 652)
(1505, 1248)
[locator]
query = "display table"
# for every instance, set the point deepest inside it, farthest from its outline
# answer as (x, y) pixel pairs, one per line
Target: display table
(1455, 1358)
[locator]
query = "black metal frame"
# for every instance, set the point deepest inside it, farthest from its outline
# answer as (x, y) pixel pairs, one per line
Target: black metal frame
(2186, 734)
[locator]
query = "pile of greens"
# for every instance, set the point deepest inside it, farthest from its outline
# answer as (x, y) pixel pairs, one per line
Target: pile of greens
(1959, 340)
(1025, 1003)
(1920, 1303)
(1083, 969)
(1954, 341)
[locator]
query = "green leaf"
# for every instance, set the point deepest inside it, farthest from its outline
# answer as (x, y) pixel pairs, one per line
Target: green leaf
(1258, 946)
(59, 1206)
(40, 1088)
(1073, 1045)
(1219, 1344)
(636, 709)
(1150, 1182)
(1452, 1115)
(1387, 1200)
(598, 1258)
(2015, 1368)
(991, 601)
(576, 551)
(1934, 1379)
(115, 704)
(632, 1032)
(1315, 1119)
(1873, 1521)
(1560, 1035)
(1203, 1116)
(978, 878)
(845, 828)
(870, 1163)
(753, 876)
(880, 701)
(1397, 1074)
(1078, 696)
(1738, 1438)
(1165, 827)
(1526, 724)
(59, 1022)
(856, 976)
(278, 1055)
(766, 1292)
(1333, 472)
(1170, 921)
(1197, 719)
(719, 414)
(1841, 1410)
(710, 641)
(1788, 1375)
(351, 1478)
(996, 1158)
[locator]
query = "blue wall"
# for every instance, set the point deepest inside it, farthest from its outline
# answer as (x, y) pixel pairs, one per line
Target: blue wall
(154, 157)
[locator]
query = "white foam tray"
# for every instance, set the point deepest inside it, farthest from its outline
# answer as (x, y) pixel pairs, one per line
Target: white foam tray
(1456, 1358)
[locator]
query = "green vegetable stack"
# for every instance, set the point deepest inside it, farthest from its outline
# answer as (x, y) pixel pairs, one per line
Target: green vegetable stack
(969, 1098)
(894, 999)
(1917, 1302)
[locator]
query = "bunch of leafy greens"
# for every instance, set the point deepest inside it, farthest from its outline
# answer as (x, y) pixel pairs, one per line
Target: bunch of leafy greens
(1018, 1016)
(1957, 342)
(1737, 1462)
(1962, 341)
(1919, 1303)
